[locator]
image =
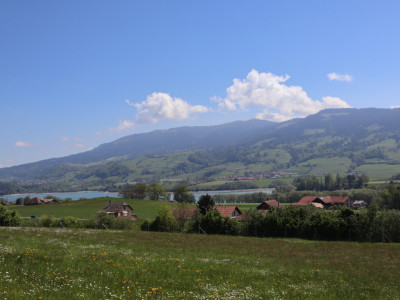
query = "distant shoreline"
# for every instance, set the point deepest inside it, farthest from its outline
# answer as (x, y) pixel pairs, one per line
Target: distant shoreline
(53, 193)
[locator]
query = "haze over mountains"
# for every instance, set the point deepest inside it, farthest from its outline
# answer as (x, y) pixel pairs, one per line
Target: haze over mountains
(334, 140)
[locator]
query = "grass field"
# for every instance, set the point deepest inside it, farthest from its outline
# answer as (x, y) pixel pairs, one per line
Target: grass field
(379, 171)
(84, 209)
(43, 263)
(87, 208)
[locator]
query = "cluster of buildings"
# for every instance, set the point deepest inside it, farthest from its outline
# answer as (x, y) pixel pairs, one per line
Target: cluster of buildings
(124, 211)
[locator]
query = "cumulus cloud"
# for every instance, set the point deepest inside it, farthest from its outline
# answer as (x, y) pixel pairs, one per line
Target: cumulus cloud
(23, 144)
(340, 77)
(280, 102)
(161, 106)
(395, 106)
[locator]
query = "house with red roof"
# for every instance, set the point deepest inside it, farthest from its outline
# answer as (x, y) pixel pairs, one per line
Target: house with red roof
(267, 205)
(325, 201)
(120, 210)
(37, 200)
(229, 211)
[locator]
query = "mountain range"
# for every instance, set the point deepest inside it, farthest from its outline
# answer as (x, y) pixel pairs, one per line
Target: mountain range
(334, 140)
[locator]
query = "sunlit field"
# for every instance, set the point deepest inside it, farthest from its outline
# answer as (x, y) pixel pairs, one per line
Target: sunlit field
(49, 263)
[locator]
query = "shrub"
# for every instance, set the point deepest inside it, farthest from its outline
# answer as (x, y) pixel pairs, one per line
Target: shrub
(8, 218)
(70, 222)
(48, 221)
(124, 224)
(164, 220)
(105, 220)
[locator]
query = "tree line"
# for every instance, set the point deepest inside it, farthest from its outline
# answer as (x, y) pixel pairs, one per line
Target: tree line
(330, 183)
(156, 191)
(368, 225)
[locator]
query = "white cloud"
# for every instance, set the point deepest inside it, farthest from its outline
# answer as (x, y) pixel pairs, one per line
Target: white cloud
(279, 101)
(23, 144)
(161, 106)
(271, 116)
(65, 138)
(340, 77)
(129, 102)
(123, 125)
(395, 106)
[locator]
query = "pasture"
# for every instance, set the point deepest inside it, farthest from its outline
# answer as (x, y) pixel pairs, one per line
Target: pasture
(85, 209)
(48, 263)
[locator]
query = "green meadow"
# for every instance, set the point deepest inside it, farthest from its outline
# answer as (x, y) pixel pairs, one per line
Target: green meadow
(49, 263)
(85, 209)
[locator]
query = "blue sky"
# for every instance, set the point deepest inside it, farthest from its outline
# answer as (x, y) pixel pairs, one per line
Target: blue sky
(76, 74)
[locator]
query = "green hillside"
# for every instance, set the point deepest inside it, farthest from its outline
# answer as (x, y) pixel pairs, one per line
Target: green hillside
(332, 141)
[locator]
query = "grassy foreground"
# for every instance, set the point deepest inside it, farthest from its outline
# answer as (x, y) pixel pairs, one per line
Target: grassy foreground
(46, 263)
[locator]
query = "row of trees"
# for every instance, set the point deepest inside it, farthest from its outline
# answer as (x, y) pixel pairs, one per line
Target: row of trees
(330, 183)
(372, 224)
(156, 191)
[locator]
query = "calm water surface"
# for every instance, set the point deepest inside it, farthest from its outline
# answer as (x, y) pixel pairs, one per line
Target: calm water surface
(89, 195)
(73, 196)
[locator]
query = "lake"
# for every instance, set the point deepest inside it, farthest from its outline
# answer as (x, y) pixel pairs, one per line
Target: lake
(72, 195)
(93, 194)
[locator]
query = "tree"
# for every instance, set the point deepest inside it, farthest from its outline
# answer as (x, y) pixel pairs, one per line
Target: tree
(328, 182)
(137, 191)
(164, 220)
(26, 199)
(205, 203)
(212, 222)
(182, 195)
(156, 192)
(391, 196)
(362, 180)
(8, 218)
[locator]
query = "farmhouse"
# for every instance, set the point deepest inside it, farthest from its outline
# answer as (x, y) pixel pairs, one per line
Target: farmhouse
(37, 200)
(229, 211)
(325, 201)
(119, 210)
(267, 205)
